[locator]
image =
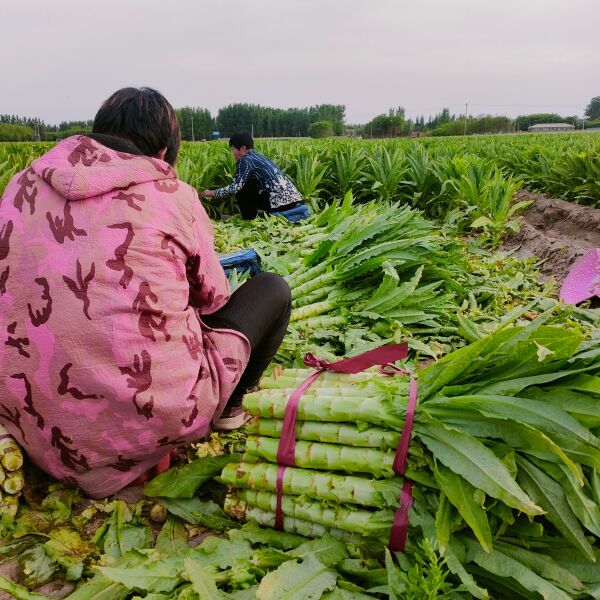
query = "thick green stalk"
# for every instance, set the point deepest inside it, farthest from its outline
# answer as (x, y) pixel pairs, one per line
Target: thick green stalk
(14, 482)
(239, 509)
(294, 377)
(330, 433)
(315, 296)
(312, 284)
(313, 484)
(312, 310)
(337, 408)
(319, 323)
(371, 523)
(327, 457)
(12, 459)
(303, 275)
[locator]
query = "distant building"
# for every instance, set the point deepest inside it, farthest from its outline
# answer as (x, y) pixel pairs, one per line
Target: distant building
(542, 127)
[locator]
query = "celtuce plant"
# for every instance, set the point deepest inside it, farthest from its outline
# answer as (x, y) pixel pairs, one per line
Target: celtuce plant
(504, 461)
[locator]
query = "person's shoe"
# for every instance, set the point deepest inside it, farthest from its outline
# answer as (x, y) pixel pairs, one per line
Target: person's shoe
(233, 417)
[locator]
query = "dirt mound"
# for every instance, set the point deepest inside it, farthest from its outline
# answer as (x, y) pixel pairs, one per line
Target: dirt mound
(556, 231)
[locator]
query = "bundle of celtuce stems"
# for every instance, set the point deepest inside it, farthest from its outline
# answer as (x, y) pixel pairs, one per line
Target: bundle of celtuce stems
(504, 455)
(11, 474)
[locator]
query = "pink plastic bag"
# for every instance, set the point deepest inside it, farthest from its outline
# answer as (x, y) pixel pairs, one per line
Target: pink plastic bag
(583, 280)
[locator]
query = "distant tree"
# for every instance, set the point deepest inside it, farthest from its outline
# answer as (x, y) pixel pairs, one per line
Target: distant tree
(593, 108)
(195, 123)
(12, 132)
(480, 125)
(334, 113)
(320, 129)
(390, 125)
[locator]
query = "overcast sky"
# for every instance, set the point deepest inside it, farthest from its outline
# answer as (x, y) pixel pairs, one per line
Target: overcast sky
(61, 58)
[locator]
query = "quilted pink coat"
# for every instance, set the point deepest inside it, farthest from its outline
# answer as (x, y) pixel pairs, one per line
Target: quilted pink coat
(106, 263)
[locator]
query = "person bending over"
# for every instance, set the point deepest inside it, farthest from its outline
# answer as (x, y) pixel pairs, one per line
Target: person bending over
(121, 339)
(259, 184)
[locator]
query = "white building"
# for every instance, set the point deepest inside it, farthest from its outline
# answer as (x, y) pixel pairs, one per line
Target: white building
(543, 127)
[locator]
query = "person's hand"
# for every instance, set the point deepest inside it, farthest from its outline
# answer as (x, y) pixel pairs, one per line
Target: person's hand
(207, 194)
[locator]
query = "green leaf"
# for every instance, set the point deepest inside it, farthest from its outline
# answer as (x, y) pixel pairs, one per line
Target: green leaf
(341, 594)
(585, 408)
(443, 520)
(69, 551)
(544, 566)
(13, 549)
(200, 512)
(517, 435)
(502, 565)
(584, 508)
(152, 576)
(219, 552)
(172, 537)
(577, 441)
(577, 563)
(202, 581)
(100, 587)
(247, 594)
(481, 222)
(184, 481)
(468, 329)
(121, 536)
(326, 549)
(255, 534)
(551, 497)
(454, 554)
(297, 581)
(469, 458)
(36, 567)
(18, 592)
(462, 495)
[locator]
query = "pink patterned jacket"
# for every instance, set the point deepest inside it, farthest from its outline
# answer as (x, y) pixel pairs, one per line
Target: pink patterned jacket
(106, 263)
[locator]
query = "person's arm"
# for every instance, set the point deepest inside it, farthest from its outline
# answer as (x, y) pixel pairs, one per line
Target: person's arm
(209, 286)
(242, 173)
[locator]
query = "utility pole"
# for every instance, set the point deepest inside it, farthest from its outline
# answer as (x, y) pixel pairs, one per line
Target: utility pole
(466, 116)
(252, 129)
(192, 117)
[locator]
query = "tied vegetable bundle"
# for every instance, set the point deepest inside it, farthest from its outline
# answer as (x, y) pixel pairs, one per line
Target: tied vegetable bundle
(11, 474)
(505, 459)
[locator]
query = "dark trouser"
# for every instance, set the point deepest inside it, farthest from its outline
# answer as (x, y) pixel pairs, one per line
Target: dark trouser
(260, 309)
(251, 199)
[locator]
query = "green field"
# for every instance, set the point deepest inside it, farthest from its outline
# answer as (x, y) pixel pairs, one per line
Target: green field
(403, 246)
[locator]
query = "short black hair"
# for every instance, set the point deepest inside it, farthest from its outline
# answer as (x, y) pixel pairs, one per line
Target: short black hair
(144, 117)
(241, 138)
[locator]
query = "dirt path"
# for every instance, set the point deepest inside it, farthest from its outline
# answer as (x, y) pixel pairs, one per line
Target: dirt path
(556, 231)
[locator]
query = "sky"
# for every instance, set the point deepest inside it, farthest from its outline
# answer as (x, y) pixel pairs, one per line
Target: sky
(61, 59)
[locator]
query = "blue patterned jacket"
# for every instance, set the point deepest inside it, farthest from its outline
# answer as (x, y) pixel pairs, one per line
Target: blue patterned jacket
(269, 177)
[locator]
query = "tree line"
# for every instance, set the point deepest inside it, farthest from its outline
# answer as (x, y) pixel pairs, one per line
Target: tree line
(322, 120)
(198, 123)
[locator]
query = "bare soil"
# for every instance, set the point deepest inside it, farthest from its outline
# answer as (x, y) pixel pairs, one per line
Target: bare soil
(556, 231)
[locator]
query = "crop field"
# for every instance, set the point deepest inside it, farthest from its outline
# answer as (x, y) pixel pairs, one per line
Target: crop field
(409, 242)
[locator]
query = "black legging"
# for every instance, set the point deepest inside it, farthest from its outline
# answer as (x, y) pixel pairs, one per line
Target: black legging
(260, 309)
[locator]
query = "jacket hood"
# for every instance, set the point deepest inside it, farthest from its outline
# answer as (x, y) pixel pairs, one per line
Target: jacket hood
(79, 168)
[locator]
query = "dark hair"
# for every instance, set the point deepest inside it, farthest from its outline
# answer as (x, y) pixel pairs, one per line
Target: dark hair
(241, 138)
(144, 117)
